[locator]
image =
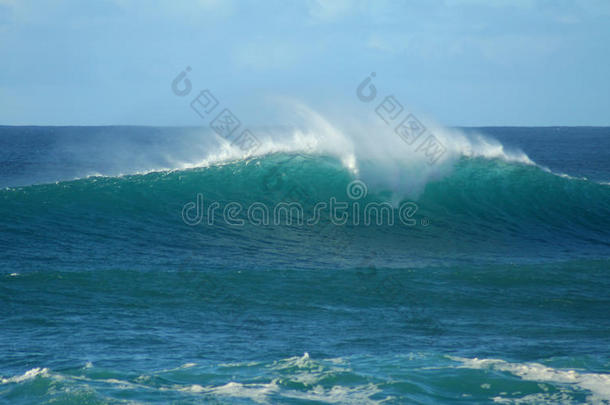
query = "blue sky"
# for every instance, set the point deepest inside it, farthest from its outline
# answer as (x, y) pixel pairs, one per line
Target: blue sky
(463, 62)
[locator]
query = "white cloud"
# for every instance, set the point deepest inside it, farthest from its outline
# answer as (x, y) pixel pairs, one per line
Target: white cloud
(330, 10)
(191, 11)
(492, 3)
(267, 53)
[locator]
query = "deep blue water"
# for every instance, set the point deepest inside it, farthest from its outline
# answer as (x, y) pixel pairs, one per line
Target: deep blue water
(496, 290)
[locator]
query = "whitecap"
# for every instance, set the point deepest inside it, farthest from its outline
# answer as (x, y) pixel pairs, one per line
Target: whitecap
(596, 383)
(28, 375)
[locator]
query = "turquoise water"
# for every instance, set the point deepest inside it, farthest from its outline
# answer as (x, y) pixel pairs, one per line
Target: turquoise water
(495, 291)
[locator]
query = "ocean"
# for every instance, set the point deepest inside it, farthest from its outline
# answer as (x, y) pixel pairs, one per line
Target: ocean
(145, 265)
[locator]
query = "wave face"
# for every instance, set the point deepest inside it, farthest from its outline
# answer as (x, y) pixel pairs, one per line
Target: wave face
(491, 210)
(174, 268)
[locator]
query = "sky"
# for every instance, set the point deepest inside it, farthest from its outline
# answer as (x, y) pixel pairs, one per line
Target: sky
(462, 62)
